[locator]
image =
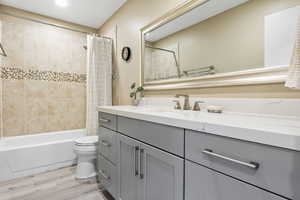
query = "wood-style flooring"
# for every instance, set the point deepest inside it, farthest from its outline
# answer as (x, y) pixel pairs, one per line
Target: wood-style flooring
(53, 185)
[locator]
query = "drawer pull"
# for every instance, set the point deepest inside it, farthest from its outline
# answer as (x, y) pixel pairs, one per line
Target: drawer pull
(136, 160)
(104, 175)
(104, 120)
(141, 163)
(252, 165)
(105, 143)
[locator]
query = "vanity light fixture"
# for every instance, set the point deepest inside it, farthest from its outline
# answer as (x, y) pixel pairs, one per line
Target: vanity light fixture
(62, 3)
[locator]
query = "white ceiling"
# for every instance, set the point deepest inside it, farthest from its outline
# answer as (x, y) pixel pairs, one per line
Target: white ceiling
(92, 13)
(195, 16)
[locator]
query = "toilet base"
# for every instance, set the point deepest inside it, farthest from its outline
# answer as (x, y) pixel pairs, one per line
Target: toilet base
(86, 168)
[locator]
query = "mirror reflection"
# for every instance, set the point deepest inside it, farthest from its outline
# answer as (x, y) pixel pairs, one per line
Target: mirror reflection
(220, 37)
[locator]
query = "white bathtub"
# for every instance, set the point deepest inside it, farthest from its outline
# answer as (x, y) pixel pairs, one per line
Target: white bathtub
(26, 155)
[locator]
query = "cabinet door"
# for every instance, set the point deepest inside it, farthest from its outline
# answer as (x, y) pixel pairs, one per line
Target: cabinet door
(129, 181)
(205, 184)
(162, 174)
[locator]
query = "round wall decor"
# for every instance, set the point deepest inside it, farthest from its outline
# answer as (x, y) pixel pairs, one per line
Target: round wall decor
(126, 53)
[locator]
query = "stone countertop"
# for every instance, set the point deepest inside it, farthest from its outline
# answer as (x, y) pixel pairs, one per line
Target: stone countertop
(270, 130)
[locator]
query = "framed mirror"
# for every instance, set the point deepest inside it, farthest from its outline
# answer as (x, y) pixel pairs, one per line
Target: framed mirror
(210, 43)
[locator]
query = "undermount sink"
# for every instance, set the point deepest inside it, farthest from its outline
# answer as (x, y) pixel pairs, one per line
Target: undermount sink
(151, 109)
(165, 111)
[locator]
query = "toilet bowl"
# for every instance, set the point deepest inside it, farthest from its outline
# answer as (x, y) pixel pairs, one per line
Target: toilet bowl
(86, 151)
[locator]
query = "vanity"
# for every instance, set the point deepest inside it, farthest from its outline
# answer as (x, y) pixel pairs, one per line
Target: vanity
(155, 153)
(158, 153)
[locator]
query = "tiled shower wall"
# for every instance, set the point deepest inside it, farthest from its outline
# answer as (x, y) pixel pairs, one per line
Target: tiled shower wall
(43, 78)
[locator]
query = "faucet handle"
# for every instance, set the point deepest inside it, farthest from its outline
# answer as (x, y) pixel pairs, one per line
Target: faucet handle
(197, 106)
(177, 106)
(181, 95)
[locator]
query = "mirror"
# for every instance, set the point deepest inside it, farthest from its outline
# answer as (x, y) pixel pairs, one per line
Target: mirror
(215, 38)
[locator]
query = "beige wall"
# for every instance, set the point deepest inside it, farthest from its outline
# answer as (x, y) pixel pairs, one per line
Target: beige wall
(136, 14)
(129, 19)
(231, 41)
(43, 77)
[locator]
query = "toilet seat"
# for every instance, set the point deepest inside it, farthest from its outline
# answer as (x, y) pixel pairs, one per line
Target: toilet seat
(79, 149)
(87, 141)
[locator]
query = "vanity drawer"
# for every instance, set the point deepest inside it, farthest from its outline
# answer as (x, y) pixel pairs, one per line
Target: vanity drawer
(168, 138)
(108, 176)
(108, 120)
(206, 184)
(108, 144)
(278, 169)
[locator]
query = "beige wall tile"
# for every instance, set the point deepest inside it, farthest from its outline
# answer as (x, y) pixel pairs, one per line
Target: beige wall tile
(11, 33)
(57, 114)
(57, 106)
(37, 125)
(36, 107)
(32, 45)
(56, 123)
(36, 115)
(13, 109)
(13, 127)
(35, 89)
(57, 90)
(78, 90)
(13, 88)
(30, 106)
(77, 113)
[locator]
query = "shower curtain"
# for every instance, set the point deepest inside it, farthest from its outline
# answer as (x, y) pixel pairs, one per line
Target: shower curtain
(99, 79)
(293, 79)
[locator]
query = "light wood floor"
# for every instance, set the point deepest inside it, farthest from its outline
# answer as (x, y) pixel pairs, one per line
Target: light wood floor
(54, 185)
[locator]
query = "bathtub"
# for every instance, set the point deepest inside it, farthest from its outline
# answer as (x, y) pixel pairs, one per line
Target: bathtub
(27, 155)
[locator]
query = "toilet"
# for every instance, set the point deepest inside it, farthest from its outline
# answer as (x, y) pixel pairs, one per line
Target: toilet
(86, 151)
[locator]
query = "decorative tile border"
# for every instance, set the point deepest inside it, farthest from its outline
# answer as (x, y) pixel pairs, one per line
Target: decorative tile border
(14, 73)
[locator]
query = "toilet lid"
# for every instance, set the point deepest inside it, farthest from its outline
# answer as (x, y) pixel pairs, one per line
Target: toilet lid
(87, 141)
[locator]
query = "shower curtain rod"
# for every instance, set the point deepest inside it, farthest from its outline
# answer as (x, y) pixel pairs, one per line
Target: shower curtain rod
(174, 56)
(52, 24)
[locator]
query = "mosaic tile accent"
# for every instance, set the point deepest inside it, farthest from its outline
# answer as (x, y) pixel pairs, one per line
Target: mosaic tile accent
(14, 73)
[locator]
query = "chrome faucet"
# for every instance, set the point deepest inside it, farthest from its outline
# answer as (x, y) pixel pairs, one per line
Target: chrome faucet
(186, 105)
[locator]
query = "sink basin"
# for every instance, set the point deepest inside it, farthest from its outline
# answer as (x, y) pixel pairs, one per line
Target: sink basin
(145, 109)
(171, 112)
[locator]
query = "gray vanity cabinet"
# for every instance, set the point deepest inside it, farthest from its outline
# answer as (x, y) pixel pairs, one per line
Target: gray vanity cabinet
(205, 184)
(107, 158)
(277, 169)
(140, 160)
(147, 173)
(162, 174)
(129, 180)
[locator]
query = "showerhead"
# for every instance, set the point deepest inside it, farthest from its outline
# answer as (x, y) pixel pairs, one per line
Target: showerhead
(85, 47)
